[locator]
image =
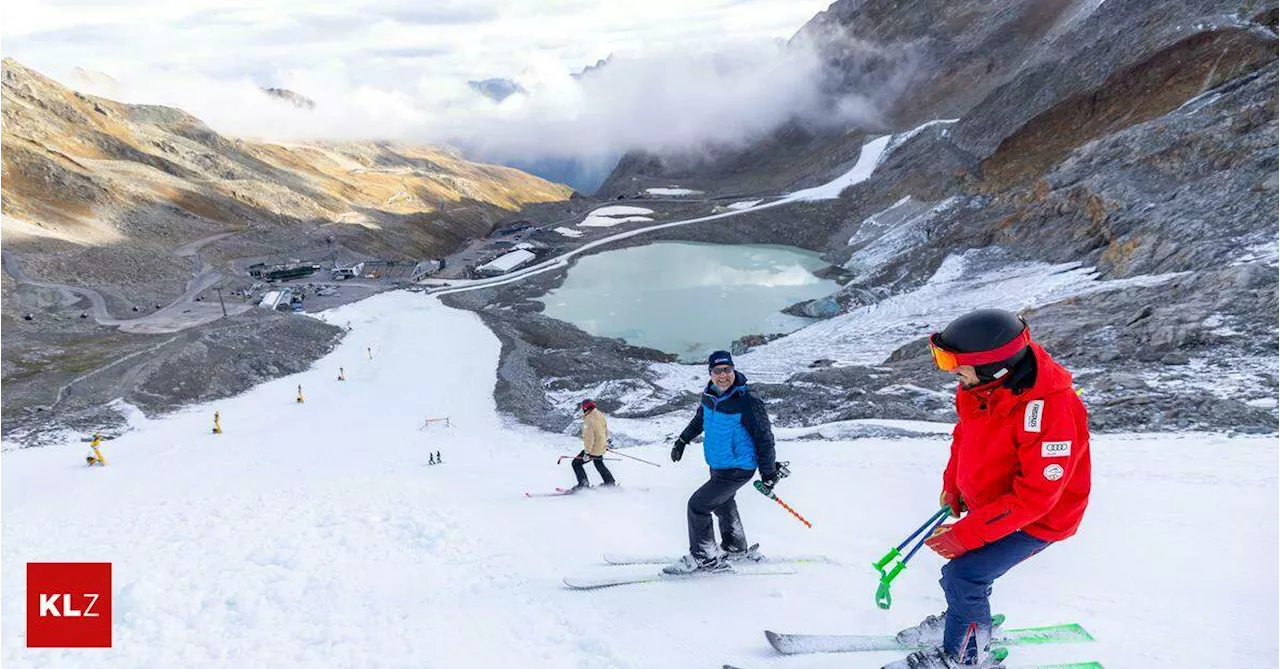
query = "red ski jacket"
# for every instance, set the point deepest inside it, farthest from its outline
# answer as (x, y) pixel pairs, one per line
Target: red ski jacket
(1020, 462)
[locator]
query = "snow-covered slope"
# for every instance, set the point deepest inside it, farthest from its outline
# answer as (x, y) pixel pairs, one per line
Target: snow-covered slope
(313, 535)
(975, 279)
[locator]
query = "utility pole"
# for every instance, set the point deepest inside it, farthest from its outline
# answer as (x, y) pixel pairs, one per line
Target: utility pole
(224, 306)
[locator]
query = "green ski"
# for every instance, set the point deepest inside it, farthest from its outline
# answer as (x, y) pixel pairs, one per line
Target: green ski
(794, 644)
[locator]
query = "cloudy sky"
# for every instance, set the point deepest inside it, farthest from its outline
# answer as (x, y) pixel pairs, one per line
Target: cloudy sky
(683, 71)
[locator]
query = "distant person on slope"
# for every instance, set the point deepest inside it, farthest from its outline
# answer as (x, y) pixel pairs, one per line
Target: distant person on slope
(595, 440)
(1019, 466)
(738, 441)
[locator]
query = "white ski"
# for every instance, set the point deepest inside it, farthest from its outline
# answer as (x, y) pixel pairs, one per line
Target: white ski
(793, 644)
(621, 559)
(595, 582)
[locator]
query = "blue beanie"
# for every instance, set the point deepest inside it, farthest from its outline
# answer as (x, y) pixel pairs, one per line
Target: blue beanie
(719, 358)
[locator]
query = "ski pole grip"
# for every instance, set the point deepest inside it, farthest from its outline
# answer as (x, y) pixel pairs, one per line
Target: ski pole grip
(883, 599)
(888, 557)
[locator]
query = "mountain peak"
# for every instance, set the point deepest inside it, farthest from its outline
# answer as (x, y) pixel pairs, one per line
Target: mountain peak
(496, 89)
(296, 99)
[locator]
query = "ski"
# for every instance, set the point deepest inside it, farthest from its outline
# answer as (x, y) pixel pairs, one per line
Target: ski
(1070, 665)
(622, 559)
(601, 489)
(560, 492)
(593, 583)
(609, 489)
(794, 644)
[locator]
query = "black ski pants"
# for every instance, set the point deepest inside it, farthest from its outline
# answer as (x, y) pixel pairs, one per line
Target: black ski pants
(716, 496)
(581, 473)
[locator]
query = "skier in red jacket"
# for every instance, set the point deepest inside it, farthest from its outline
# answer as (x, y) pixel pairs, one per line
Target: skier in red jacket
(1019, 467)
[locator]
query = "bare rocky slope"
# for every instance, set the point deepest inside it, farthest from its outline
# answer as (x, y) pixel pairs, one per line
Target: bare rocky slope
(1135, 137)
(128, 212)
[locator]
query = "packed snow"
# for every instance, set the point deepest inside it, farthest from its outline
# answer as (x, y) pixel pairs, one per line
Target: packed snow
(902, 138)
(315, 535)
(674, 190)
(569, 232)
(1268, 251)
(745, 204)
(607, 217)
(868, 160)
(892, 233)
(872, 222)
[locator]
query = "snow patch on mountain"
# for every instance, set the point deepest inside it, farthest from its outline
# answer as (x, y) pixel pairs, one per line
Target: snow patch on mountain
(971, 280)
(607, 217)
(673, 190)
(891, 233)
(867, 162)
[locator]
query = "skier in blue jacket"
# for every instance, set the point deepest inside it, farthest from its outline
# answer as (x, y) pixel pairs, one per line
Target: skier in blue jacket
(739, 440)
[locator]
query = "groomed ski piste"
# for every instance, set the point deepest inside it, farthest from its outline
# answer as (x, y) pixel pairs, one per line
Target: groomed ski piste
(312, 535)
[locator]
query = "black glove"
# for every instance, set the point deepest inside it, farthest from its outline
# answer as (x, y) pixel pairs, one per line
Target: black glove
(677, 451)
(770, 480)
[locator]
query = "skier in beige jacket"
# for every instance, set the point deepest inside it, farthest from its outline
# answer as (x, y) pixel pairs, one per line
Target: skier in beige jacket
(595, 441)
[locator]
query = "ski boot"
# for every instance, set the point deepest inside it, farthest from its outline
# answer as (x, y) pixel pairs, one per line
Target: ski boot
(578, 488)
(690, 565)
(936, 658)
(929, 631)
(749, 554)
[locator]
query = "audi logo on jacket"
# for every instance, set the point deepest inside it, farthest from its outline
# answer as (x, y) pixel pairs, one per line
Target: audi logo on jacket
(1020, 461)
(738, 434)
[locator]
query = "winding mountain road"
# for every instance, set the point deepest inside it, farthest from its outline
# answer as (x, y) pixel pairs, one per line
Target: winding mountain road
(184, 312)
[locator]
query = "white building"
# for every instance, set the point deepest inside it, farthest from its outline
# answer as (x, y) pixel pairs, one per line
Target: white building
(275, 298)
(425, 269)
(506, 263)
(340, 273)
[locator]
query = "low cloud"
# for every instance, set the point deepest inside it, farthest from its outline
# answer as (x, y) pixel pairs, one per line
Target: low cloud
(666, 103)
(394, 71)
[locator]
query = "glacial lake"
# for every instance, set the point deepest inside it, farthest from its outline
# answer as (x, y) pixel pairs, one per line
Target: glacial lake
(688, 298)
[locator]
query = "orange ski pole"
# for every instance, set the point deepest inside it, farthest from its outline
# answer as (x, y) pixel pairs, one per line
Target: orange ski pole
(769, 493)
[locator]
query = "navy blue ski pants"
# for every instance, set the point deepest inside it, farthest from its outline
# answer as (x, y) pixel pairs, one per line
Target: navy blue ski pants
(967, 580)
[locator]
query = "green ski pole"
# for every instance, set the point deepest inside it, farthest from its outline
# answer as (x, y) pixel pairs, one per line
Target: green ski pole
(890, 565)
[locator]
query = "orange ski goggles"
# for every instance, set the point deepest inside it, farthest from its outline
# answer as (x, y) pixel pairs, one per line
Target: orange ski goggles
(948, 360)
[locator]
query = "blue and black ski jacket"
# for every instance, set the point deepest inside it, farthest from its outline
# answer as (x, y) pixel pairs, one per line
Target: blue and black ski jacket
(738, 434)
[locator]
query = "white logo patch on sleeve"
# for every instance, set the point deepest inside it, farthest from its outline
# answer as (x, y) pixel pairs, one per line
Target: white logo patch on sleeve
(1053, 472)
(1034, 416)
(1055, 449)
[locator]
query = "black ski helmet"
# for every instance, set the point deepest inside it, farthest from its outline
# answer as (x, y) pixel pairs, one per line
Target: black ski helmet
(986, 330)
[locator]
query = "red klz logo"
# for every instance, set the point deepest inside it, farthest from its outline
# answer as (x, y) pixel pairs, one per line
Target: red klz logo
(68, 605)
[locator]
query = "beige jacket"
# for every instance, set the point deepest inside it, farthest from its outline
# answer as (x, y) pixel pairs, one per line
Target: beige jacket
(595, 434)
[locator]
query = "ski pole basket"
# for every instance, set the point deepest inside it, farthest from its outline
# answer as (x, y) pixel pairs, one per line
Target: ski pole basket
(893, 562)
